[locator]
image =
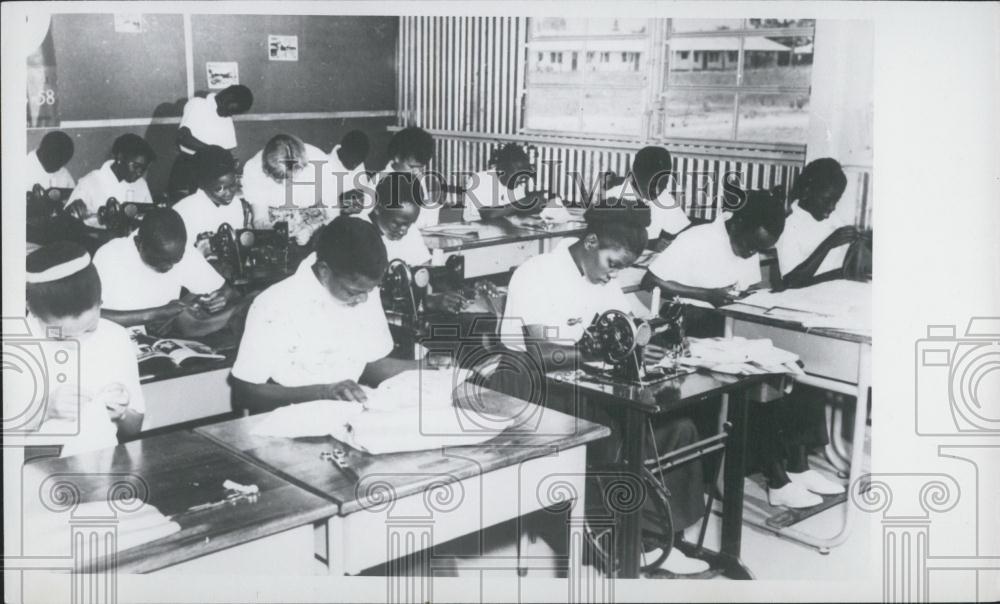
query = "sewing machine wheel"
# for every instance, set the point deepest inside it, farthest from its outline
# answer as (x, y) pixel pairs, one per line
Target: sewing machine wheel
(110, 213)
(614, 336)
(655, 520)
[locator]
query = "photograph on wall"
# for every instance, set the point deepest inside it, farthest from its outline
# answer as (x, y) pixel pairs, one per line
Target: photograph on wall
(222, 74)
(283, 48)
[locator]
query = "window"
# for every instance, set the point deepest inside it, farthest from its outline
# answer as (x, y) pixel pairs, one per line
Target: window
(749, 83)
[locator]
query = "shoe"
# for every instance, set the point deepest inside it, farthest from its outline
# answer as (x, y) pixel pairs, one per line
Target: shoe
(816, 482)
(677, 563)
(793, 495)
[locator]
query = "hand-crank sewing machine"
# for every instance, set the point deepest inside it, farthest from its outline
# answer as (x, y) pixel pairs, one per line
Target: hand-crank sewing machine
(253, 257)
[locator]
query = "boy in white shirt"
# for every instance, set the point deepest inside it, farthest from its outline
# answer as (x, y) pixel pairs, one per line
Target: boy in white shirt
(810, 232)
(501, 191)
(100, 400)
(320, 332)
(347, 166)
(143, 274)
(410, 150)
(648, 182)
(289, 180)
(712, 263)
(551, 300)
(47, 164)
(121, 177)
(206, 121)
(215, 202)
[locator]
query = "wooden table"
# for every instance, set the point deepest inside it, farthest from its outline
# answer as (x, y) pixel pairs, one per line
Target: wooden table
(175, 472)
(834, 360)
(406, 502)
(634, 405)
(494, 246)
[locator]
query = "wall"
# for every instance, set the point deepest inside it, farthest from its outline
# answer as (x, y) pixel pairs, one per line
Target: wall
(111, 83)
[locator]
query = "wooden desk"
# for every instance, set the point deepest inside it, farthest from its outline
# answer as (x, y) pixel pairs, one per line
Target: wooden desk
(406, 502)
(175, 472)
(634, 405)
(495, 246)
(834, 360)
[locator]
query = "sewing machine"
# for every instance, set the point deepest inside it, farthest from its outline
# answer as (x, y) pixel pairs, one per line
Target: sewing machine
(120, 218)
(404, 292)
(252, 256)
(617, 340)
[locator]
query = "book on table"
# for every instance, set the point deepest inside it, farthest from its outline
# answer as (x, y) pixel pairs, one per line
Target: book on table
(158, 355)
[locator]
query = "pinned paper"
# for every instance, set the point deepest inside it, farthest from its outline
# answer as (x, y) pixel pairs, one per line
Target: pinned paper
(283, 48)
(222, 74)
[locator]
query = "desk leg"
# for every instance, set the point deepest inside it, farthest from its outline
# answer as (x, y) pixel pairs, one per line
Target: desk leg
(732, 497)
(631, 529)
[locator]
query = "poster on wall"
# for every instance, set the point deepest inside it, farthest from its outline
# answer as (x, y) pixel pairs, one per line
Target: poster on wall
(222, 74)
(283, 48)
(130, 23)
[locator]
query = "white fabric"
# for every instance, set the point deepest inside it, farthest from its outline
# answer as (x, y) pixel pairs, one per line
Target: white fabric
(98, 360)
(484, 190)
(262, 192)
(127, 283)
(739, 356)
(550, 290)
(411, 248)
(801, 237)
(36, 175)
(430, 212)
(98, 185)
(702, 256)
(666, 213)
(298, 334)
(839, 304)
(201, 116)
(201, 215)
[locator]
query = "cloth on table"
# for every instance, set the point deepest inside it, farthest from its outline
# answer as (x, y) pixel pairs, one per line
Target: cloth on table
(740, 356)
(51, 530)
(839, 304)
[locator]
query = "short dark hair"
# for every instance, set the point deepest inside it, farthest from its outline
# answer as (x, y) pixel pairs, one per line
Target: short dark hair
(239, 94)
(412, 142)
(55, 150)
(618, 227)
(70, 296)
(162, 226)
(132, 145)
(355, 144)
(213, 162)
(508, 154)
(351, 246)
(824, 172)
(397, 188)
(762, 211)
(650, 163)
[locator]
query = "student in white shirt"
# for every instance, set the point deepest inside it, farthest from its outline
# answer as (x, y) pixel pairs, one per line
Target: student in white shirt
(215, 202)
(289, 180)
(410, 150)
(810, 232)
(322, 331)
(47, 164)
(648, 182)
(713, 262)
(502, 191)
(143, 274)
(99, 399)
(206, 121)
(552, 299)
(347, 166)
(397, 208)
(121, 177)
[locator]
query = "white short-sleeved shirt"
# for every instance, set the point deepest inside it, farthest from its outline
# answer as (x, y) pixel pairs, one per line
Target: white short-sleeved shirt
(430, 212)
(298, 334)
(98, 185)
(201, 215)
(201, 116)
(550, 290)
(411, 249)
(37, 175)
(702, 256)
(127, 283)
(104, 357)
(801, 237)
(262, 192)
(665, 214)
(484, 190)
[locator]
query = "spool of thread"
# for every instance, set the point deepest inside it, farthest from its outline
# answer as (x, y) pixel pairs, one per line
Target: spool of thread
(654, 303)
